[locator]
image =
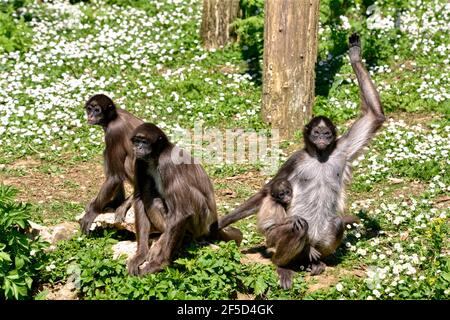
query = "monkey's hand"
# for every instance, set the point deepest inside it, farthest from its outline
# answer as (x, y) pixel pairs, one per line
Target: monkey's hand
(314, 254)
(354, 51)
(285, 276)
(299, 226)
(86, 222)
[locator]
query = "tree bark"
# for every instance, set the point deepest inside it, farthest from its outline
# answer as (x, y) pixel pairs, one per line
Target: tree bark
(218, 15)
(290, 51)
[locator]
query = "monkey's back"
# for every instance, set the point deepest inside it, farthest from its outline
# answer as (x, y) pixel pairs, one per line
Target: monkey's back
(118, 154)
(188, 179)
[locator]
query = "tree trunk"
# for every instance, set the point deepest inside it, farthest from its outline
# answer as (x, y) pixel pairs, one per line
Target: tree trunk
(218, 15)
(290, 51)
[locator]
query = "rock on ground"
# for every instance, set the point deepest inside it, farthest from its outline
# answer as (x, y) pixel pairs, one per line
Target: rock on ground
(127, 248)
(54, 234)
(108, 220)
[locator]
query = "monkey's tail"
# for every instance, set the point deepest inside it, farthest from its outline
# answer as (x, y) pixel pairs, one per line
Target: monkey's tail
(249, 207)
(349, 219)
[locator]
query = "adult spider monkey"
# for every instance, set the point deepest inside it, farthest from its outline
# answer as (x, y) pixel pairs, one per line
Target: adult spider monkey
(118, 125)
(318, 174)
(187, 197)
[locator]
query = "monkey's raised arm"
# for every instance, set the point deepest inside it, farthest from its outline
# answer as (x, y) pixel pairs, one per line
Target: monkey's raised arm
(372, 115)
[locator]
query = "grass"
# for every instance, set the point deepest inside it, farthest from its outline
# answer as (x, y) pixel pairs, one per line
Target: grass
(147, 55)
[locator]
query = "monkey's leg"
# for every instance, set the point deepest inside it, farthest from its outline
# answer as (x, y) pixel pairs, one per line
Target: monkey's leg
(289, 239)
(163, 249)
(121, 211)
(96, 206)
(334, 239)
(142, 234)
(117, 200)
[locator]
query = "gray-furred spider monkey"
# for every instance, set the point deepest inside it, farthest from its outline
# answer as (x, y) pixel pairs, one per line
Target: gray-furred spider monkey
(319, 174)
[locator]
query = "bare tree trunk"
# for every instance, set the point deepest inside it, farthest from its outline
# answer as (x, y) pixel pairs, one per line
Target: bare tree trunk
(218, 15)
(290, 51)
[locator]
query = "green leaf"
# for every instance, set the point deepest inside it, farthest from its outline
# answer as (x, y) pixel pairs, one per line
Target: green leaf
(19, 262)
(4, 256)
(260, 285)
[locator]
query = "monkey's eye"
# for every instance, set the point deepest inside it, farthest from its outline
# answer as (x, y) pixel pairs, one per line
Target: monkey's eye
(327, 134)
(315, 133)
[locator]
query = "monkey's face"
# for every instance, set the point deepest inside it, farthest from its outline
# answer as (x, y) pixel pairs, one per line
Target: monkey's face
(100, 109)
(322, 137)
(94, 113)
(285, 196)
(320, 132)
(142, 147)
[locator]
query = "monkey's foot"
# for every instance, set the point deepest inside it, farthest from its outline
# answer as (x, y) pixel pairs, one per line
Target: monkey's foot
(354, 48)
(151, 267)
(134, 263)
(317, 268)
(349, 219)
(285, 276)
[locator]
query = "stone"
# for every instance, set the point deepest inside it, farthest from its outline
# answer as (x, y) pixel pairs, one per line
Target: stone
(127, 248)
(107, 220)
(54, 234)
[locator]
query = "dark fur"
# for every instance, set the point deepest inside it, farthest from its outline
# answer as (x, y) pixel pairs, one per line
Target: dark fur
(187, 193)
(118, 126)
(319, 174)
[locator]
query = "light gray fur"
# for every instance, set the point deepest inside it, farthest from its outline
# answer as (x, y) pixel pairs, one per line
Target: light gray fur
(319, 187)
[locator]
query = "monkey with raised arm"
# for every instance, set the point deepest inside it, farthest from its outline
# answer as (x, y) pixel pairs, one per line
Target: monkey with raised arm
(319, 174)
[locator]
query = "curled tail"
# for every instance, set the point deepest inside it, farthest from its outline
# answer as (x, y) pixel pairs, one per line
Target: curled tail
(249, 207)
(349, 219)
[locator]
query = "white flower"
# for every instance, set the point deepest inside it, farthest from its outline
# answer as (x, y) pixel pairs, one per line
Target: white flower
(339, 287)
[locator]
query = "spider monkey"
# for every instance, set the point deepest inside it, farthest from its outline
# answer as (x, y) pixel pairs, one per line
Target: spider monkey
(186, 193)
(118, 125)
(319, 174)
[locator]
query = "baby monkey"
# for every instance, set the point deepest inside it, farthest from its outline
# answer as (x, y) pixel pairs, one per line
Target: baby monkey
(272, 216)
(275, 204)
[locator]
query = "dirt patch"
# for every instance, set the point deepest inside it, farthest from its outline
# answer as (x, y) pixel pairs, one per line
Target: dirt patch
(67, 291)
(442, 201)
(414, 118)
(40, 182)
(255, 258)
(330, 277)
(243, 296)
(410, 188)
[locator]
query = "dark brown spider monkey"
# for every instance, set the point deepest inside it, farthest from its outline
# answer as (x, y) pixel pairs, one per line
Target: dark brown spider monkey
(164, 171)
(319, 174)
(118, 125)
